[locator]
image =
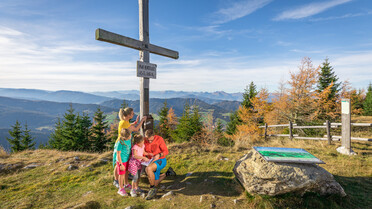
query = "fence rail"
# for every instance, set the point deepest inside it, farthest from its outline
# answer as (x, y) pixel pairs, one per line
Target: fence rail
(327, 125)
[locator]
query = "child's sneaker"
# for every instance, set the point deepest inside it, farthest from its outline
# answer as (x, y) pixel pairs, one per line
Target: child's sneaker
(133, 193)
(116, 184)
(128, 186)
(122, 192)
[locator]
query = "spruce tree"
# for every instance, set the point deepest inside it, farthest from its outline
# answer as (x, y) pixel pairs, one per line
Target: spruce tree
(183, 132)
(99, 139)
(196, 124)
(249, 93)
(367, 104)
(15, 137)
(69, 137)
(27, 141)
(83, 133)
(234, 121)
(56, 137)
(163, 121)
(326, 77)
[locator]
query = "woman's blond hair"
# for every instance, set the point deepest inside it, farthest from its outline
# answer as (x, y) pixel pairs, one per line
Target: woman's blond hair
(125, 112)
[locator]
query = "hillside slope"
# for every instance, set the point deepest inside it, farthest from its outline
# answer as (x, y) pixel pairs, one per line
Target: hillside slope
(203, 179)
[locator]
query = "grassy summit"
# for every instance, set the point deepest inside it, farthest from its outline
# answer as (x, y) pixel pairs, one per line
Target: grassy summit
(204, 178)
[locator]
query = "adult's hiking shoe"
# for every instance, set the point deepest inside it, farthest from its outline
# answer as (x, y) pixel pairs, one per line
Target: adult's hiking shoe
(151, 193)
(170, 172)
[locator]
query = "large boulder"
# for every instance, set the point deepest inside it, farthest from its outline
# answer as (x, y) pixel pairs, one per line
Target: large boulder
(261, 177)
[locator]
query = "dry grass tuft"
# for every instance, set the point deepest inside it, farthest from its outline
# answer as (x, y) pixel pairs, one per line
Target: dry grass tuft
(361, 119)
(3, 153)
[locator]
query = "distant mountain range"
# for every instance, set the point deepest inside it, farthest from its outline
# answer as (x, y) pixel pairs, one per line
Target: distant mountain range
(99, 97)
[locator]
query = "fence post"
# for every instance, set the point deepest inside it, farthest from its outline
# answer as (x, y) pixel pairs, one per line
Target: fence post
(329, 137)
(346, 126)
(290, 130)
(265, 131)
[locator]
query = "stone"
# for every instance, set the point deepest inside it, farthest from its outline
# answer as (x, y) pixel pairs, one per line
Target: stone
(201, 198)
(170, 193)
(189, 174)
(76, 158)
(89, 192)
(104, 160)
(143, 195)
(268, 178)
(129, 207)
(72, 167)
(31, 166)
(162, 187)
(345, 151)
(213, 205)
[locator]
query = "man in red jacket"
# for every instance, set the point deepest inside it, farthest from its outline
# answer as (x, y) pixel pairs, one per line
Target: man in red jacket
(155, 145)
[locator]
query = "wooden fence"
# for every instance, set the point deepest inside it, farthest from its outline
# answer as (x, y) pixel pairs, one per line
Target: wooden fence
(327, 125)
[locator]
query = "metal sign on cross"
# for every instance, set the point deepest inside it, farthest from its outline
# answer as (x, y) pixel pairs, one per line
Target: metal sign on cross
(145, 48)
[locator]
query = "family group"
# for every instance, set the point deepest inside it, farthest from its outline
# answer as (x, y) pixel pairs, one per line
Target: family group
(134, 153)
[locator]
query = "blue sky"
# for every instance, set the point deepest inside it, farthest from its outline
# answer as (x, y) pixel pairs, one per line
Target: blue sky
(223, 44)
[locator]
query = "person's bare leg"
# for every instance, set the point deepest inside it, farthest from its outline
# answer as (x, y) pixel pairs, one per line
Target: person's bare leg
(126, 178)
(161, 178)
(116, 175)
(121, 177)
(150, 173)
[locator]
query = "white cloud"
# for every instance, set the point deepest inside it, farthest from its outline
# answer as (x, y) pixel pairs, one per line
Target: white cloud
(309, 10)
(340, 17)
(238, 10)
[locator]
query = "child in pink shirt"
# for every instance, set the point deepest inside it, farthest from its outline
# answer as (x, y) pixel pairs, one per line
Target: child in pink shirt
(138, 150)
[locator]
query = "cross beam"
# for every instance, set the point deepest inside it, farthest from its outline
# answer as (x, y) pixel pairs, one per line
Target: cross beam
(103, 35)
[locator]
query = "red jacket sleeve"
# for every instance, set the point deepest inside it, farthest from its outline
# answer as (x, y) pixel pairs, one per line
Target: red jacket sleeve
(163, 147)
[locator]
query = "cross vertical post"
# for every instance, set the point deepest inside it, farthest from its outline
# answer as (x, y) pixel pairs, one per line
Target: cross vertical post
(144, 55)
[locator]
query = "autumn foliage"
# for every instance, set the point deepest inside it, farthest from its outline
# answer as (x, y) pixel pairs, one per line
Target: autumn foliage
(299, 100)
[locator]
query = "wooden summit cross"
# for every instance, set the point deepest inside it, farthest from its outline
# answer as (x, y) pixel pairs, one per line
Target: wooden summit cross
(144, 46)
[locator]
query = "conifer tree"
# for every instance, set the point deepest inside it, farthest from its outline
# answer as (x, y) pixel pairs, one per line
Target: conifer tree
(249, 93)
(183, 131)
(83, 133)
(234, 121)
(27, 141)
(327, 77)
(367, 105)
(196, 124)
(99, 139)
(163, 121)
(69, 137)
(56, 137)
(15, 137)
